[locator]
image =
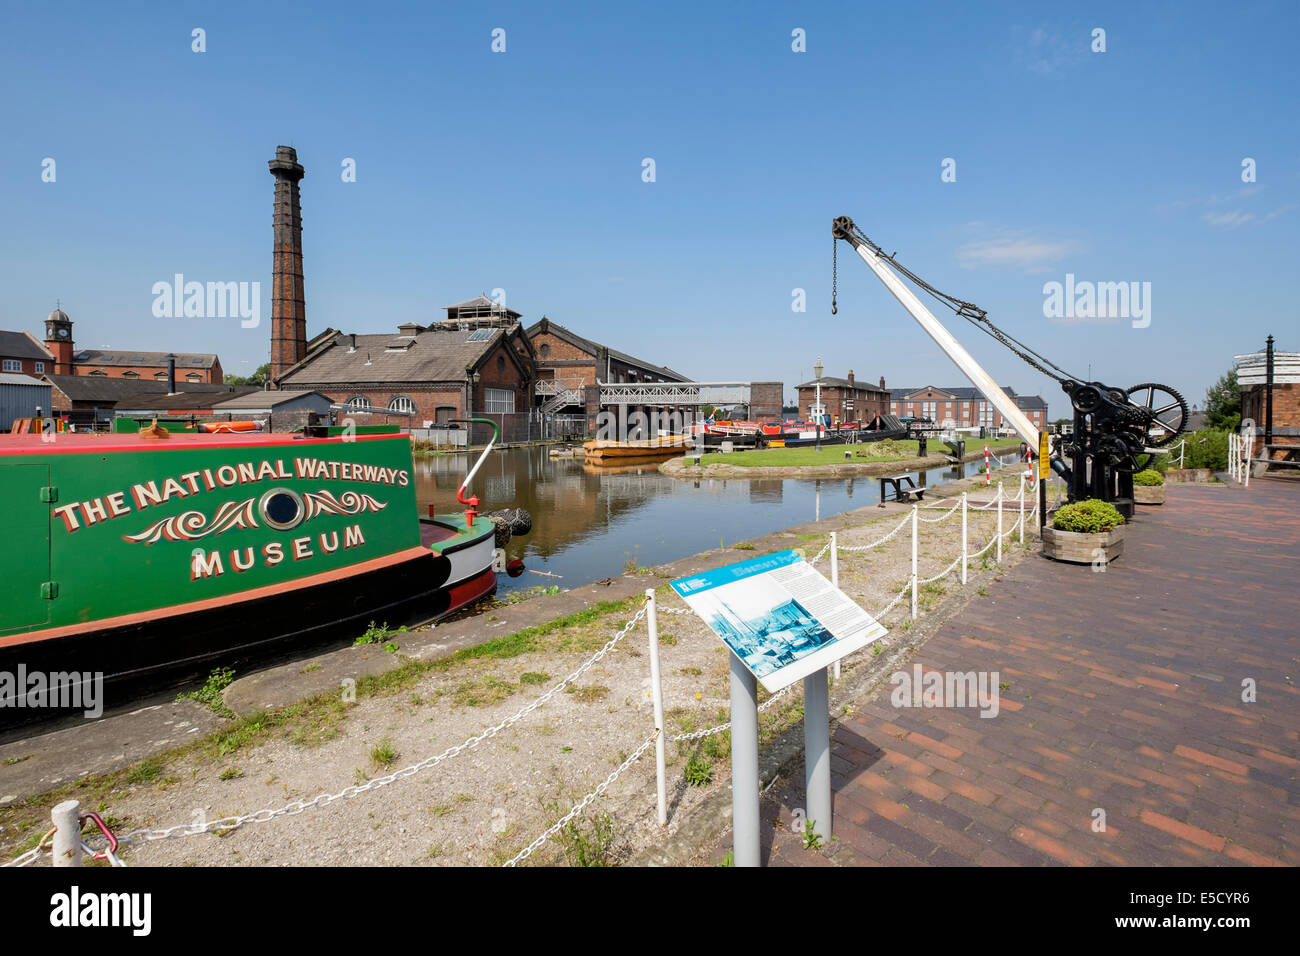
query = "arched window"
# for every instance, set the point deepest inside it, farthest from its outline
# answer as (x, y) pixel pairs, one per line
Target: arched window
(501, 363)
(401, 403)
(358, 403)
(545, 350)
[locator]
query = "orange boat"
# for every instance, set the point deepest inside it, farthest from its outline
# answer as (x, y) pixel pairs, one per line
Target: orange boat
(668, 445)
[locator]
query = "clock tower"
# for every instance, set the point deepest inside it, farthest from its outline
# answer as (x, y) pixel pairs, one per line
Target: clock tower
(58, 341)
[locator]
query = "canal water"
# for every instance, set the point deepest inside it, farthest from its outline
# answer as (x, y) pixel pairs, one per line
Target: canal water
(591, 523)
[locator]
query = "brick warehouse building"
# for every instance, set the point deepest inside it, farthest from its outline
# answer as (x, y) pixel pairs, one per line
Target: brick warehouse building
(569, 367)
(425, 374)
(59, 355)
(1252, 377)
(965, 407)
(846, 399)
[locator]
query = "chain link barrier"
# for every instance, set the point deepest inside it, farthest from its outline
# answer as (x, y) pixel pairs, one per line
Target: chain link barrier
(559, 824)
(875, 544)
(226, 824)
(946, 514)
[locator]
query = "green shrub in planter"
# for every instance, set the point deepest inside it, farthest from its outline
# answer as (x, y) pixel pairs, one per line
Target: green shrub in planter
(1148, 478)
(1087, 517)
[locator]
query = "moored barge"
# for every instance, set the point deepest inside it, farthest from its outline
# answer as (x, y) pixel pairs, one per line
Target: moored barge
(126, 555)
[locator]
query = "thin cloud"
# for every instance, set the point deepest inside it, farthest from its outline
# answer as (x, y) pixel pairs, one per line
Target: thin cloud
(1045, 51)
(1017, 252)
(1228, 220)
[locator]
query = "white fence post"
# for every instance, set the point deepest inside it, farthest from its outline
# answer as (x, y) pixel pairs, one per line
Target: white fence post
(1250, 450)
(999, 500)
(914, 575)
(1021, 499)
(657, 695)
(67, 833)
(963, 539)
(835, 580)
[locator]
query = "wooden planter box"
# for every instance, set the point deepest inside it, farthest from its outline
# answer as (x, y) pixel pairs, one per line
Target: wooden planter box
(1149, 494)
(1081, 548)
(1189, 474)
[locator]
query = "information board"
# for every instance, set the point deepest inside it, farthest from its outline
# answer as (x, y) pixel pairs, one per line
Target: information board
(779, 615)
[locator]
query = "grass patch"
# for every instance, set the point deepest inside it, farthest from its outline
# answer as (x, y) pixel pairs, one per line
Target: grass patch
(534, 677)
(383, 754)
(483, 692)
(147, 771)
(209, 695)
(378, 635)
(591, 693)
(230, 773)
(698, 772)
(587, 841)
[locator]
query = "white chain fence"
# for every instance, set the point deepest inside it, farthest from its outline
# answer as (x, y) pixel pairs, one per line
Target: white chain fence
(226, 824)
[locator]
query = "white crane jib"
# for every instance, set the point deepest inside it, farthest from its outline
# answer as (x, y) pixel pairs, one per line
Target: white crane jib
(942, 337)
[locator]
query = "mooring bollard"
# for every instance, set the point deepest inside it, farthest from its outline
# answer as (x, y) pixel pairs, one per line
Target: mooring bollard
(67, 833)
(657, 696)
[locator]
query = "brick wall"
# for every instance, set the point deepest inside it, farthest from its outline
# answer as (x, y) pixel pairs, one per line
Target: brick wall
(28, 366)
(1286, 412)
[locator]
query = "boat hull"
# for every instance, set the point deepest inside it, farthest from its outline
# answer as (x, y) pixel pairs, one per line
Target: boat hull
(128, 560)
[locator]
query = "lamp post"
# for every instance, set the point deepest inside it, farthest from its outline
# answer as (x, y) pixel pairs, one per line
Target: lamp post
(817, 410)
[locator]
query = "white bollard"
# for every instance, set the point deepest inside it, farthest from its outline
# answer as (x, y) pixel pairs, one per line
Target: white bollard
(835, 580)
(963, 539)
(657, 696)
(914, 575)
(67, 833)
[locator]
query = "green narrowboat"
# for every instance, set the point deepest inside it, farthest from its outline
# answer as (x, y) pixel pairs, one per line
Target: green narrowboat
(126, 555)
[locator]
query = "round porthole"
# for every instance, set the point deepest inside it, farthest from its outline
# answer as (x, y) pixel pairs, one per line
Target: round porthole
(281, 508)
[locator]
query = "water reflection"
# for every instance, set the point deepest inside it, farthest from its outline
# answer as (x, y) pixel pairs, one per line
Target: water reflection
(589, 523)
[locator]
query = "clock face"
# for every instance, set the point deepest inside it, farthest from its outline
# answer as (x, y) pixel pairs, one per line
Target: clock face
(63, 333)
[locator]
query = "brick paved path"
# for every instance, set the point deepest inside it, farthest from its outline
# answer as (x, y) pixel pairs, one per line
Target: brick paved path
(1125, 695)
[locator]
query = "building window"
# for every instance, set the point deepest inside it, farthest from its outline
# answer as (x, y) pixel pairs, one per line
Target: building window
(130, 373)
(40, 368)
(12, 365)
(98, 371)
(498, 401)
(159, 375)
(358, 403)
(544, 350)
(194, 377)
(401, 403)
(444, 414)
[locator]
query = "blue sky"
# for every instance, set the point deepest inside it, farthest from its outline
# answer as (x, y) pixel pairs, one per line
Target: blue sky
(522, 170)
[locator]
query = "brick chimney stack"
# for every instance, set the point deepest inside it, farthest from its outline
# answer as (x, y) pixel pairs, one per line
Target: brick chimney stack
(288, 313)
